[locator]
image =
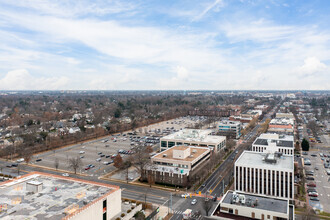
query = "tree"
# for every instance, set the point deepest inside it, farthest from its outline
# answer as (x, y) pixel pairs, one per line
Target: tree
(56, 163)
(305, 145)
(117, 113)
(74, 163)
(118, 162)
(140, 160)
(230, 144)
(207, 205)
(27, 155)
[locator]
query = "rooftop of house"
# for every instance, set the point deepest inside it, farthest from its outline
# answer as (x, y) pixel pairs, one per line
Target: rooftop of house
(195, 135)
(46, 196)
(265, 161)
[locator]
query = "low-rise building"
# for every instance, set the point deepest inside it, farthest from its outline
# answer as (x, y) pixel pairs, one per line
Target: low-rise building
(175, 165)
(270, 142)
(193, 137)
(46, 196)
(281, 126)
(270, 174)
(230, 129)
(239, 205)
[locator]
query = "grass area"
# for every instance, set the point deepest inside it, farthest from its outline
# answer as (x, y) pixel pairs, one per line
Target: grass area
(324, 214)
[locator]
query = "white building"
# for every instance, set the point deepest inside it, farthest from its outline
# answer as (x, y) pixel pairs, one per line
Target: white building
(231, 129)
(265, 174)
(46, 196)
(193, 137)
(268, 142)
(249, 206)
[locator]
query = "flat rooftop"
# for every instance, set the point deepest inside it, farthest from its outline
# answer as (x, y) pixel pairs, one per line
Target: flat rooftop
(195, 152)
(263, 203)
(195, 135)
(256, 159)
(280, 140)
(58, 197)
(229, 123)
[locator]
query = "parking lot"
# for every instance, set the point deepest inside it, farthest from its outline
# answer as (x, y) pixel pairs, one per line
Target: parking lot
(97, 155)
(321, 178)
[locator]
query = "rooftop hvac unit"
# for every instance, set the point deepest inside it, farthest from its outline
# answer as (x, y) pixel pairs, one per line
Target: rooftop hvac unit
(242, 199)
(194, 151)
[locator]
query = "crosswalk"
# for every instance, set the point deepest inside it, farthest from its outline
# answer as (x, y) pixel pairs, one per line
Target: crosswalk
(177, 212)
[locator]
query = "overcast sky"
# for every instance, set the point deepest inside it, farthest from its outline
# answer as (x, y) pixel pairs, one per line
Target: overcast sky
(179, 44)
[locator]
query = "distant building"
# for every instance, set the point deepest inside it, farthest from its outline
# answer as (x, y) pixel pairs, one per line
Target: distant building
(239, 205)
(46, 196)
(193, 137)
(269, 174)
(230, 129)
(281, 126)
(175, 165)
(268, 142)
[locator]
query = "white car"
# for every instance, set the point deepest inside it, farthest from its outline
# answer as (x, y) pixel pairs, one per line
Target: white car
(185, 195)
(194, 201)
(65, 174)
(82, 152)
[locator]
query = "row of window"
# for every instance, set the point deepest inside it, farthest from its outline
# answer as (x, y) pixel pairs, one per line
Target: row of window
(281, 150)
(267, 182)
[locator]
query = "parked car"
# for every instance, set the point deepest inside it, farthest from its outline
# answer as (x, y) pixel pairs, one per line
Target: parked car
(65, 174)
(81, 152)
(14, 165)
(313, 194)
(312, 184)
(314, 199)
(38, 160)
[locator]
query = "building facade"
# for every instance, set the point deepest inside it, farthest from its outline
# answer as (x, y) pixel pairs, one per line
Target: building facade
(270, 142)
(193, 137)
(269, 174)
(175, 165)
(230, 129)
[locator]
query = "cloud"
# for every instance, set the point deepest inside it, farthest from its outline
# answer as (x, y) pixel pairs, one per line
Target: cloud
(21, 79)
(311, 66)
(178, 81)
(207, 9)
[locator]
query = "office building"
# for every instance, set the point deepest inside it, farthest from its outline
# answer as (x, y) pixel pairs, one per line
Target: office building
(230, 129)
(268, 174)
(269, 142)
(46, 196)
(174, 165)
(193, 137)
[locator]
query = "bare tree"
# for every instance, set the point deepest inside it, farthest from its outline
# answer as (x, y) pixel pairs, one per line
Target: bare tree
(74, 163)
(230, 144)
(56, 163)
(140, 160)
(27, 155)
(207, 205)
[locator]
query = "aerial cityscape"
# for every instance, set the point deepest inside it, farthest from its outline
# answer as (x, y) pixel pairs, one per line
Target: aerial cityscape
(123, 110)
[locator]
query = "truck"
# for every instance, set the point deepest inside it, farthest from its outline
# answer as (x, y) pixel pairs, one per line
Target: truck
(187, 214)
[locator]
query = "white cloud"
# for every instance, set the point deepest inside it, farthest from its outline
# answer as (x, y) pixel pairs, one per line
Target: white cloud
(178, 81)
(21, 79)
(311, 66)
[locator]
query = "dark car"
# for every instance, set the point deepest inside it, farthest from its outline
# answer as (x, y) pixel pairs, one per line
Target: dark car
(9, 166)
(38, 160)
(309, 178)
(102, 155)
(107, 156)
(15, 165)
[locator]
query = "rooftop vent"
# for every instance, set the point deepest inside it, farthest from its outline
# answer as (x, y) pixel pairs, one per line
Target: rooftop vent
(194, 151)
(270, 158)
(164, 155)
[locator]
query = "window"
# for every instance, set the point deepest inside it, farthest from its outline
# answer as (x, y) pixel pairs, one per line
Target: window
(105, 210)
(231, 211)
(171, 144)
(164, 144)
(268, 216)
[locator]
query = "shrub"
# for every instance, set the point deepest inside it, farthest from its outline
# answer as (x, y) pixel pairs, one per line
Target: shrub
(118, 218)
(132, 207)
(128, 211)
(122, 214)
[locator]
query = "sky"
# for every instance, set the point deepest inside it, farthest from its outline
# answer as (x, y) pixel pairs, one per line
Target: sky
(164, 45)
